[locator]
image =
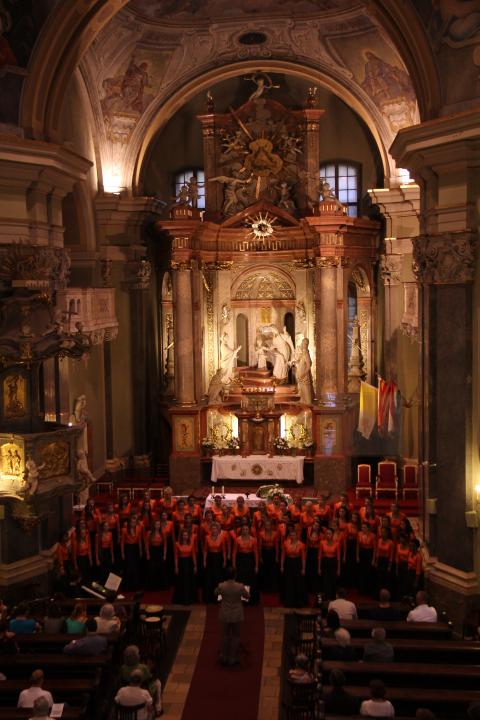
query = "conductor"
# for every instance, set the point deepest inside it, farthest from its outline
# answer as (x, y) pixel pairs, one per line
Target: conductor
(231, 616)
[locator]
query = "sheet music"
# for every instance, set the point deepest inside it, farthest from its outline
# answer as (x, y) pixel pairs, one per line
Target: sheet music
(113, 582)
(57, 710)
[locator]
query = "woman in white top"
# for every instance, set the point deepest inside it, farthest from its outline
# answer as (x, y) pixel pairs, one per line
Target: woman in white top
(377, 706)
(107, 621)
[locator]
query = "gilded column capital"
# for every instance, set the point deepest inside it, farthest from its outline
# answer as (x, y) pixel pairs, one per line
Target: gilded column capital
(181, 265)
(138, 274)
(219, 265)
(445, 259)
(327, 261)
(391, 269)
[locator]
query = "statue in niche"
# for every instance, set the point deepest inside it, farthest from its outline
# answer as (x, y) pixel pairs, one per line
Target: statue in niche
(79, 416)
(228, 359)
(263, 82)
(285, 201)
(32, 474)
(281, 355)
(215, 388)
(304, 373)
(231, 200)
(288, 339)
(183, 197)
(261, 352)
(192, 187)
(327, 194)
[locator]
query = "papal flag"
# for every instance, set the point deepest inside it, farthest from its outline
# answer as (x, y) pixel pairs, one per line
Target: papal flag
(368, 409)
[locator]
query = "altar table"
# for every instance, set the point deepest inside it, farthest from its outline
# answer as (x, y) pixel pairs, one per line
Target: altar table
(257, 467)
(231, 498)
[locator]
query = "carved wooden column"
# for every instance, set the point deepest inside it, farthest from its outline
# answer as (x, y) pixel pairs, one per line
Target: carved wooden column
(312, 151)
(211, 151)
(183, 333)
(327, 349)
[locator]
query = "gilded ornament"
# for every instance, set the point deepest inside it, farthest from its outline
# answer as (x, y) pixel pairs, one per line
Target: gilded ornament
(55, 458)
(256, 469)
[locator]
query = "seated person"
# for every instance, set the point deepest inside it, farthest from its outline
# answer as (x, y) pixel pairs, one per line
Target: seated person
(343, 649)
(91, 644)
(377, 706)
(378, 650)
(338, 701)
(331, 623)
(27, 697)
(22, 624)
(53, 622)
(300, 672)
(131, 662)
(41, 709)
(8, 646)
(422, 612)
(134, 694)
(75, 624)
(345, 608)
(107, 621)
(384, 611)
(424, 714)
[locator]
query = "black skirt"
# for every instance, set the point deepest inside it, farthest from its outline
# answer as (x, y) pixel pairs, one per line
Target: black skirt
(293, 583)
(384, 576)
(213, 575)
(269, 571)
(131, 570)
(84, 568)
(106, 565)
(156, 574)
(329, 577)
(185, 590)
(311, 571)
(366, 573)
(350, 566)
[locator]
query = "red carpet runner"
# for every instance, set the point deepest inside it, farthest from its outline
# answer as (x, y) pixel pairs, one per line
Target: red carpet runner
(228, 692)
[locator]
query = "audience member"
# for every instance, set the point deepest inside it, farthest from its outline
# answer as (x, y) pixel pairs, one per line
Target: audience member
(422, 612)
(377, 706)
(338, 701)
(332, 623)
(132, 663)
(75, 624)
(53, 622)
(300, 672)
(378, 650)
(22, 624)
(134, 694)
(424, 714)
(41, 709)
(27, 697)
(8, 646)
(384, 611)
(345, 608)
(91, 644)
(107, 621)
(343, 649)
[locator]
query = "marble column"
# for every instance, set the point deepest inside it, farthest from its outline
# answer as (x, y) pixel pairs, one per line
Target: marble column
(327, 348)
(183, 332)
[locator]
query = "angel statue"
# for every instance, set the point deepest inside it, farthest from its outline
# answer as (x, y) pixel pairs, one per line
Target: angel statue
(263, 82)
(84, 474)
(32, 475)
(216, 388)
(327, 194)
(228, 359)
(232, 187)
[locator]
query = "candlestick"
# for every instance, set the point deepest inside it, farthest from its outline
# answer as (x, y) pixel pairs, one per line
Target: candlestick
(223, 489)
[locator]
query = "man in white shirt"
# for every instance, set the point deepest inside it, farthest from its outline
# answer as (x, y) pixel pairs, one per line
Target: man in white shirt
(345, 609)
(422, 612)
(134, 694)
(41, 709)
(27, 697)
(377, 706)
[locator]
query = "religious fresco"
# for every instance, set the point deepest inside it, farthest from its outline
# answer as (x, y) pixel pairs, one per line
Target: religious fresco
(20, 24)
(184, 433)
(204, 9)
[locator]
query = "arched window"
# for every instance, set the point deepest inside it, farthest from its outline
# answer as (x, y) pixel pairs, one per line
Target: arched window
(344, 179)
(182, 178)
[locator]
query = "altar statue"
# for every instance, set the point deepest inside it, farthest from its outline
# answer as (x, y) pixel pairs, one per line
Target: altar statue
(228, 359)
(261, 351)
(85, 475)
(281, 355)
(32, 475)
(304, 373)
(215, 388)
(288, 339)
(263, 82)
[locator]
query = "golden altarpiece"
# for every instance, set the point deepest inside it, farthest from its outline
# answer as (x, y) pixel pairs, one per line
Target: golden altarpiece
(267, 307)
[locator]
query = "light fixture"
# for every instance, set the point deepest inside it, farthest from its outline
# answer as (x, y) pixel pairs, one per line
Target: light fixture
(477, 492)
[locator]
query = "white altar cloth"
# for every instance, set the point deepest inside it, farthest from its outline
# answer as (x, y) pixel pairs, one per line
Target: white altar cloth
(257, 467)
(231, 498)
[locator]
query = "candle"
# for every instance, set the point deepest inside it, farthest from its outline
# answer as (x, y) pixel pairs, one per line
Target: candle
(223, 489)
(212, 489)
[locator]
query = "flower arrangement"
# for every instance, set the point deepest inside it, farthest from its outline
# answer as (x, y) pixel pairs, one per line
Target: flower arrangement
(266, 492)
(233, 443)
(208, 444)
(281, 444)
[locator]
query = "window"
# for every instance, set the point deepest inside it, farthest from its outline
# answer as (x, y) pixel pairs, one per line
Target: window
(183, 177)
(344, 179)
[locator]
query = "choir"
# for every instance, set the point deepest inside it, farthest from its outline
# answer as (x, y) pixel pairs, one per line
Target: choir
(296, 550)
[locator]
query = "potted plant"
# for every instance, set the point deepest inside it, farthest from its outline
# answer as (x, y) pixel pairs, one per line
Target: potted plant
(280, 445)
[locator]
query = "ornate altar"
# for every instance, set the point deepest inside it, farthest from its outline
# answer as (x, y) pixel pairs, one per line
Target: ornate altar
(257, 303)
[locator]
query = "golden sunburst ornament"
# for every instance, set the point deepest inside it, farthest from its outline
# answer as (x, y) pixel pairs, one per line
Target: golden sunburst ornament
(261, 226)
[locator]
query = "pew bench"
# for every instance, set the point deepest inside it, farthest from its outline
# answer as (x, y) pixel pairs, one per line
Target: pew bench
(42, 641)
(399, 628)
(22, 665)
(412, 650)
(71, 690)
(407, 674)
(13, 713)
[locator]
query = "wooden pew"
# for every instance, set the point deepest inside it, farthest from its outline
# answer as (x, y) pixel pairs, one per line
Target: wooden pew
(399, 628)
(41, 642)
(407, 674)
(448, 703)
(412, 650)
(71, 690)
(21, 665)
(365, 608)
(69, 713)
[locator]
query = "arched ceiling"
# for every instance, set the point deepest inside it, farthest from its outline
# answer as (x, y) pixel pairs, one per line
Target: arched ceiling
(141, 60)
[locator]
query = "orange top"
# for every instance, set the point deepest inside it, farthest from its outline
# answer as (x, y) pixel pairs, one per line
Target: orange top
(63, 554)
(330, 550)
(241, 512)
(415, 562)
(167, 507)
(307, 520)
(269, 540)
(81, 547)
(366, 541)
(186, 550)
(247, 545)
(167, 529)
(104, 540)
(154, 539)
(401, 555)
(226, 523)
(215, 545)
(373, 523)
(152, 503)
(313, 540)
(124, 512)
(112, 519)
(217, 511)
(177, 517)
(352, 531)
(324, 513)
(385, 548)
(129, 539)
(259, 518)
(293, 549)
(273, 510)
(295, 513)
(195, 511)
(339, 536)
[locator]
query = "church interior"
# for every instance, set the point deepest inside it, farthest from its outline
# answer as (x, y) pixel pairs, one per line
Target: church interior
(239, 259)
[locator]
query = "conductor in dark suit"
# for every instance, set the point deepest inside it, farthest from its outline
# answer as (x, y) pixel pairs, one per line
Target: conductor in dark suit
(231, 616)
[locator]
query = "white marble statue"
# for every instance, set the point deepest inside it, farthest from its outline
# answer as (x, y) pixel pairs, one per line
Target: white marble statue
(215, 388)
(288, 339)
(32, 476)
(281, 355)
(79, 416)
(85, 475)
(228, 359)
(304, 373)
(261, 352)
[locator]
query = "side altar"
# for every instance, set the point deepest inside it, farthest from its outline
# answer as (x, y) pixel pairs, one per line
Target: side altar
(268, 301)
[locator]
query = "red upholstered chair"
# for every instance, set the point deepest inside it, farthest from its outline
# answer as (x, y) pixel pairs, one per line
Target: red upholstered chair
(387, 481)
(410, 480)
(364, 480)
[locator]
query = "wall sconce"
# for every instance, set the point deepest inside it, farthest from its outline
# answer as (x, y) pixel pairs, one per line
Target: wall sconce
(477, 493)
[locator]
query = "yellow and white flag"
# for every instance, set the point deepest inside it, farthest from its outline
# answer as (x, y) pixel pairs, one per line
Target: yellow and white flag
(368, 409)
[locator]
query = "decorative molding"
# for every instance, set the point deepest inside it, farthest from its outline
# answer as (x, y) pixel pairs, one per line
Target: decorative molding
(445, 259)
(181, 265)
(328, 262)
(138, 274)
(465, 583)
(391, 269)
(410, 310)
(35, 267)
